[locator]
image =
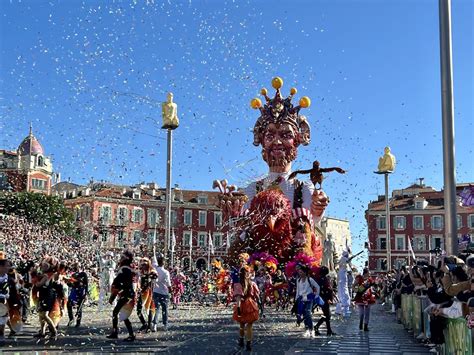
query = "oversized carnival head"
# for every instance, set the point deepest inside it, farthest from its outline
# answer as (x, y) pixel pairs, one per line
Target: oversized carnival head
(280, 129)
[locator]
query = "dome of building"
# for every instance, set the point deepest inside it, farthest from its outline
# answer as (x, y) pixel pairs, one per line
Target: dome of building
(30, 145)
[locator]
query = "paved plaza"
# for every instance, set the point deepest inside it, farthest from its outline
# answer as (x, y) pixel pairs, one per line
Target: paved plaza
(210, 330)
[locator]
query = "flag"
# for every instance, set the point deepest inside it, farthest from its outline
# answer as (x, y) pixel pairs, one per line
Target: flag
(348, 248)
(464, 241)
(410, 249)
(211, 244)
(191, 243)
(173, 241)
(227, 241)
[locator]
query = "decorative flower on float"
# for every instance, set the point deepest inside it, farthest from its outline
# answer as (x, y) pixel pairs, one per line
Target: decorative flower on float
(264, 259)
(302, 259)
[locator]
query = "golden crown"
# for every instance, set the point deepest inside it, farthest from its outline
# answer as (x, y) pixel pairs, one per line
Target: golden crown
(281, 110)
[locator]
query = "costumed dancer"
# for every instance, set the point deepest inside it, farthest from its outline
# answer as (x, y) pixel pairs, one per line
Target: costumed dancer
(62, 292)
(15, 304)
(145, 305)
(279, 286)
(46, 294)
(364, 298)
(123, 290)
(246, 309)
(25, 290)
(79, 286)
(327, 294)
(177, 287)
(9, 300)
(343, 306)
(107, 274)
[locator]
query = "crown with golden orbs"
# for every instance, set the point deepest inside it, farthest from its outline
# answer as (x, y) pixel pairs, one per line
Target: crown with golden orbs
(280, 110)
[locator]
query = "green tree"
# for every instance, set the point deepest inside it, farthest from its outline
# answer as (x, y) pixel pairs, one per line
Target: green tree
(47, 211)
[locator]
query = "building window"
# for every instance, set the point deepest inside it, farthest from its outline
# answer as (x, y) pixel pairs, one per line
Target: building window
(217, 240)
(122, 216)
(437, 222)
(186, 238)
(38, 184)
(174, 218)
(151, 237)
(400, 242)
(436, 242)
(419, 243)
(418, 222)
(218, 219)
(86, 212)
(105, 214)
(202, 218)
(400, 222)
(202, 239)
(137, 215)
(470, 221)
(121, 237)
(419, 205)
(381, 223)
(202, 200)
(105, 236)
(40, 161)
(459, 221)
(382, 243)
(137, 236)
(136, 195)
(188, 217)
(152, 218)
(399, 263)
(382, 264)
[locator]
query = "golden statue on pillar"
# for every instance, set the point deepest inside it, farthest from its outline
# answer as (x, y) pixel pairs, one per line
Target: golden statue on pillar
(169, 112)
(387, 161)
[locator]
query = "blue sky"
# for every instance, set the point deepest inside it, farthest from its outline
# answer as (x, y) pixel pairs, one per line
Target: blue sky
(90, 76)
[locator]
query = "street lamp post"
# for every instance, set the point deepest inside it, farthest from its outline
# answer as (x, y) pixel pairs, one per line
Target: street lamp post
(169, 112)
(386, 167)
(448, 126)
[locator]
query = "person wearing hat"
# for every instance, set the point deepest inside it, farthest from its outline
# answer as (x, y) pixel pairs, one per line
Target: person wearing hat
(161, 289)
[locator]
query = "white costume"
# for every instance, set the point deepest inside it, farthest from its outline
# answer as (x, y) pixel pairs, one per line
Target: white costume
(343, 305)
(107, 275)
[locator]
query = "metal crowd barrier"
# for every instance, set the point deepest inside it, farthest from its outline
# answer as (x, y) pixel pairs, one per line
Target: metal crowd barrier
(458, 338)
(407, 311)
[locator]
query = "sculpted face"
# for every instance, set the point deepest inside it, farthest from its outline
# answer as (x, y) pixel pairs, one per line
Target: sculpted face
(279, 145)
(170, 97)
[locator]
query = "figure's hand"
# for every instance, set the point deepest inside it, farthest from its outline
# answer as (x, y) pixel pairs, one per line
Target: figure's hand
(300, 238)
(319, 203)
(232, 205)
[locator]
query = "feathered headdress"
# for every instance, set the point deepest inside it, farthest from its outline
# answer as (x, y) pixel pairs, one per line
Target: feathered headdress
(302, 259)
(264, 259)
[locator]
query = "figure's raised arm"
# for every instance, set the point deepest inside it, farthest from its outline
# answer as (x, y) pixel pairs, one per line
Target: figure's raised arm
(328, 170)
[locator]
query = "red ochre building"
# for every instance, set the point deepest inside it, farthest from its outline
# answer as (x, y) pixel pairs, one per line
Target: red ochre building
(117, 216)
(27, 168)
(416, 212)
